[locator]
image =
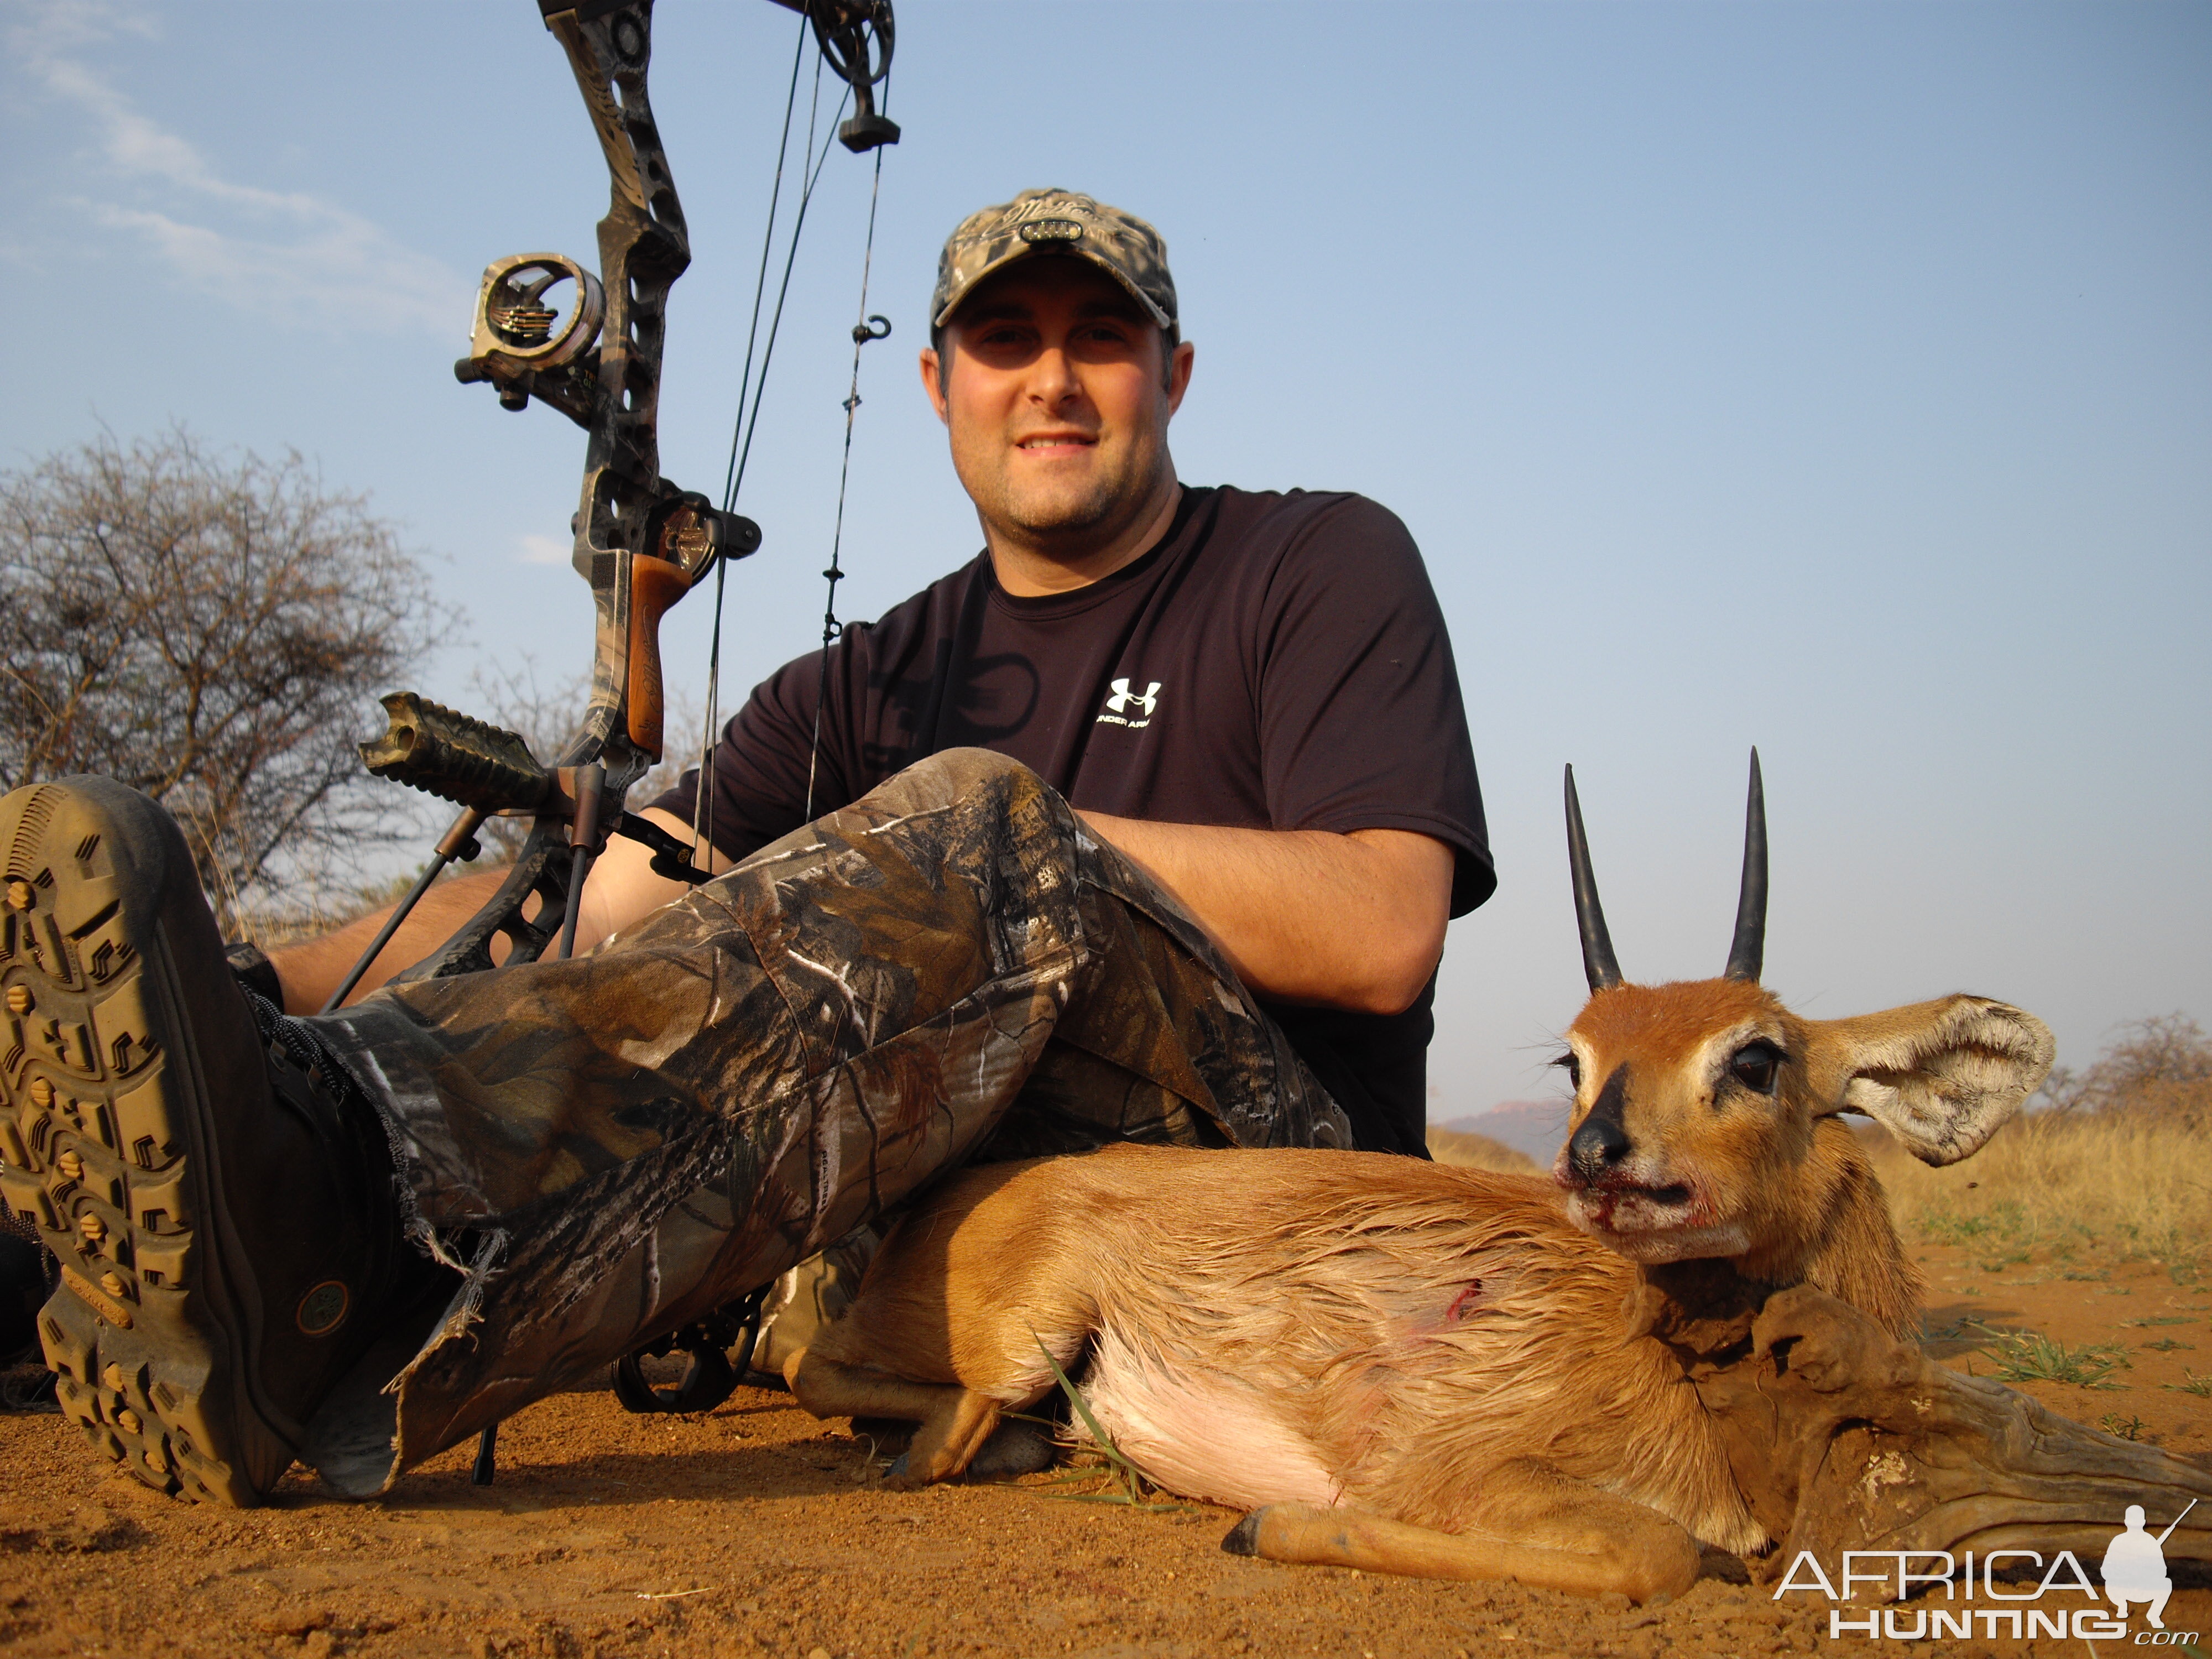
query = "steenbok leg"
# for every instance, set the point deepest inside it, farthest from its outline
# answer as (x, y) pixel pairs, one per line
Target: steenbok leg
(954, 1422)
(1570, 1538)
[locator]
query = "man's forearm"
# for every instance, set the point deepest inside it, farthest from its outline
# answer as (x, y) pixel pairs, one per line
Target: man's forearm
(311, 970)
(620, 890)
(1342, 921)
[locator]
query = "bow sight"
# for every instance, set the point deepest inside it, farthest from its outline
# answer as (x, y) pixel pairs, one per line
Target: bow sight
(589, 344)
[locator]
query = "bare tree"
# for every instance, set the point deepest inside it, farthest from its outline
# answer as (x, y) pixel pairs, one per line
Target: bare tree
(209, 629)
(2162, 1063)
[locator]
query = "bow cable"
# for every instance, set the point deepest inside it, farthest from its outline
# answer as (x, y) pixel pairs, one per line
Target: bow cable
(702, 847)
(864, 331)
(748, 425)
(767, 245)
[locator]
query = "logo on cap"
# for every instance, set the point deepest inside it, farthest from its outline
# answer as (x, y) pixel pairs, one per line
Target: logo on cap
(1051, 230)
(1055, 221)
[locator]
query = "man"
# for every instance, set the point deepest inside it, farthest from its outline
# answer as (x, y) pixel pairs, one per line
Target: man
(1227, 759)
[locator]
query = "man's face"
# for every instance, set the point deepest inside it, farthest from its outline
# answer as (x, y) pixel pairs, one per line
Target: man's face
(1057, 400)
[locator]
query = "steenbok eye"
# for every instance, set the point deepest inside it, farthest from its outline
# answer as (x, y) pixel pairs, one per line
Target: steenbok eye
(1754, 1067)
(1573, 1068)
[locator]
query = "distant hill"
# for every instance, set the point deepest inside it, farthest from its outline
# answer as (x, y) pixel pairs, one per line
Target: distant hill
(1478, 1152)
(1531, 1127)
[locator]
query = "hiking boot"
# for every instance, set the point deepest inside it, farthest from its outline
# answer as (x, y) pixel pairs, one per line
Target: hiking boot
(217, 1191)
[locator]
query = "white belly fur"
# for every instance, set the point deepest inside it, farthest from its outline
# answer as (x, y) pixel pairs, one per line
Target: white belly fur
(1200, 1434)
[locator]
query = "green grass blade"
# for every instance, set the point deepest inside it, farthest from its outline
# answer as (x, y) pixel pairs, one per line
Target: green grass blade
(1075, 1400)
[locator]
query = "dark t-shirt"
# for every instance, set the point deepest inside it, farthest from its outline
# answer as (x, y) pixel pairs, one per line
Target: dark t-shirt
(1278, 662)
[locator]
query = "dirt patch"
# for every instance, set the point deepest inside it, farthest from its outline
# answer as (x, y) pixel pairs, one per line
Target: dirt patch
(2138, 1333)
(754, 1529)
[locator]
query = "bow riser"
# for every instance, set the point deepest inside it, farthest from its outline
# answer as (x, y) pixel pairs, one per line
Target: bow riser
(644, 249)
(640, 542)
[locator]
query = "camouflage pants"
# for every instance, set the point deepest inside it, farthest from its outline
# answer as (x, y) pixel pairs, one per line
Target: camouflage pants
(950, 969)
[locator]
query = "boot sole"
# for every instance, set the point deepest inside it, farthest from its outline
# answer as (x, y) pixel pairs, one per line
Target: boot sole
(107, 1131)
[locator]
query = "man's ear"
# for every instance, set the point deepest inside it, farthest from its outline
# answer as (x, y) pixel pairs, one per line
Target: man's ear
(1179, 362)
(931, 382)
(1942, 1076)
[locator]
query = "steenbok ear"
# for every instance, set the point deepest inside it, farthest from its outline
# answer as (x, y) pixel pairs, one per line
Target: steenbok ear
(1942, 1076)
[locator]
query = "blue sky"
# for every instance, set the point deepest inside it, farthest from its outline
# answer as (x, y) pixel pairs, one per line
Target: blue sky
(1836, 378)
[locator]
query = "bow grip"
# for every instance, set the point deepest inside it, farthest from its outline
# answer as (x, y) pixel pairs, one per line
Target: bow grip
(683, 538)
(655, 585)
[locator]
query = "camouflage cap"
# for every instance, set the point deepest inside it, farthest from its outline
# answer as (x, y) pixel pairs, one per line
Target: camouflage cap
(1062, 221)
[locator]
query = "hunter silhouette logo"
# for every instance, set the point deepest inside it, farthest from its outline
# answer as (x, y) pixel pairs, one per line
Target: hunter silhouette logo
(1123, 701)
(2133, 1569)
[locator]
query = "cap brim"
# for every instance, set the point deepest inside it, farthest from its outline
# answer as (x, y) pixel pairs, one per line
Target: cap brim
(1063, 250)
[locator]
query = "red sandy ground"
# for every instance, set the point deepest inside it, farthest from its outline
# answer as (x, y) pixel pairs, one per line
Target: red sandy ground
(754, 1529)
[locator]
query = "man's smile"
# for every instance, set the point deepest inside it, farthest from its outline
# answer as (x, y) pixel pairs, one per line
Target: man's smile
(1047, 442)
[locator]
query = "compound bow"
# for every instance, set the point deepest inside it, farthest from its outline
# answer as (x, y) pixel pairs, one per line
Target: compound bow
(641, 542)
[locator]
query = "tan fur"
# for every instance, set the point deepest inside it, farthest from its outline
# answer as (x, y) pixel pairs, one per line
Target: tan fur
(1323, 1284)
(1317, 1336)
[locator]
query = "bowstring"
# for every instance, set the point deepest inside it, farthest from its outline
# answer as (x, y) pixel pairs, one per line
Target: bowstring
(783, 290)
(768, 247)
(831, 628)
(741, 438)
(702, 801)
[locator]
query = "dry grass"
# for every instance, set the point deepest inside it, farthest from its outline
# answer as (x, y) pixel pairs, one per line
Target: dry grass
(1477, 1152)
(2143, 1181)
(2123, 1161)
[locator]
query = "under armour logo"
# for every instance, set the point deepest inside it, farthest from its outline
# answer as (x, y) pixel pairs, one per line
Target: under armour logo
(1122, 697)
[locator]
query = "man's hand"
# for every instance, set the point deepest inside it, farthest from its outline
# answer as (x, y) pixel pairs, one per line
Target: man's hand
(622, 889)
(1352, 921)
